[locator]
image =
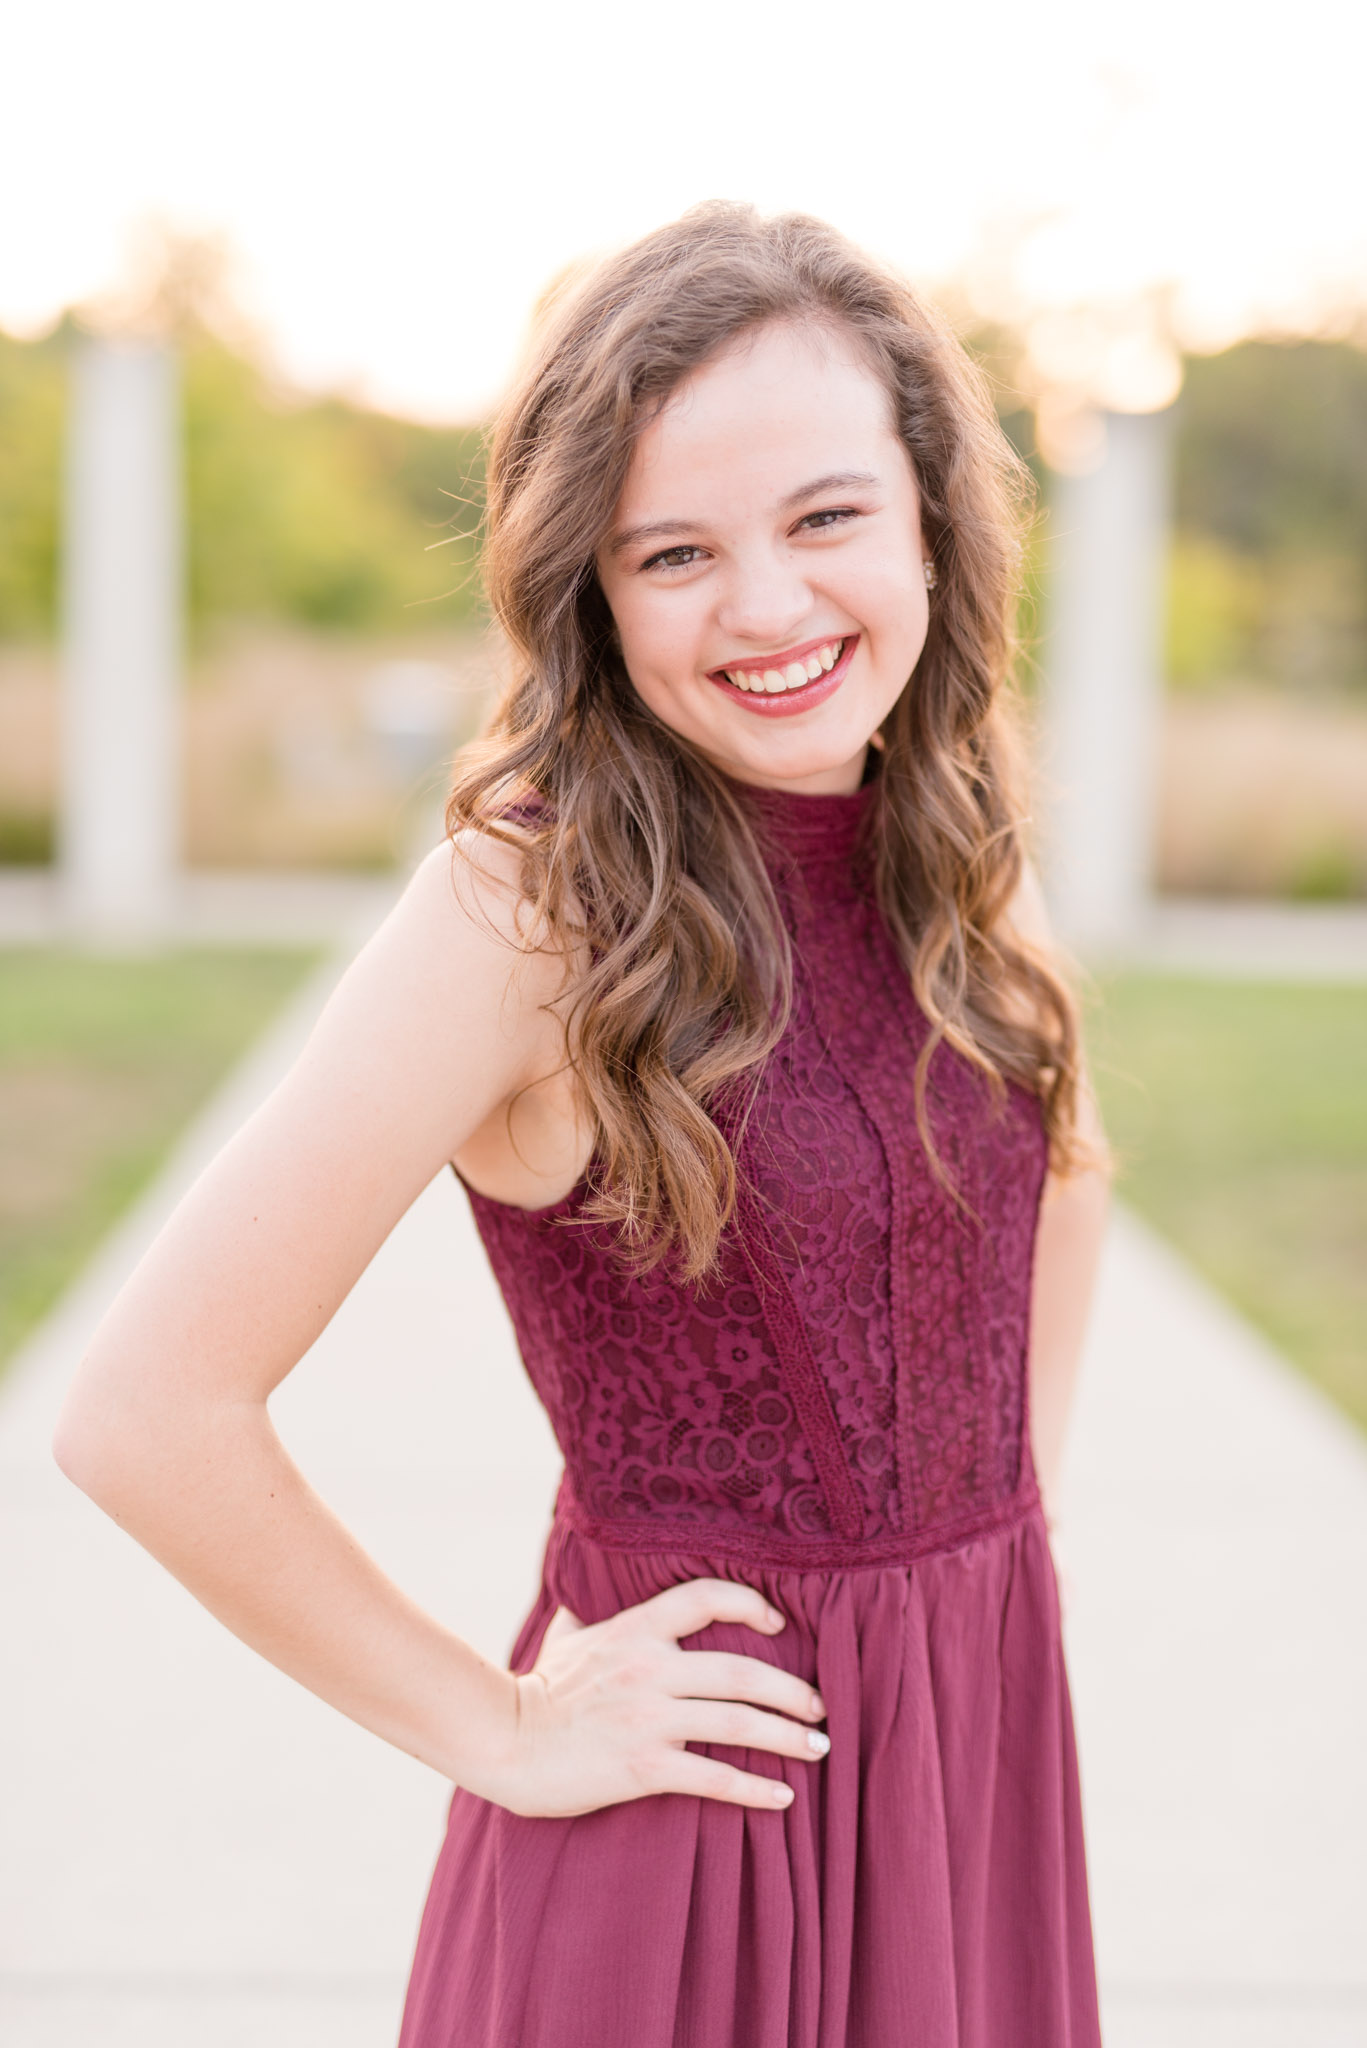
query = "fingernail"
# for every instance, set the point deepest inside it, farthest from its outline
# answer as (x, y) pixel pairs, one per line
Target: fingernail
(775, 1618)
(817, 1742)
(817, 1709)
(783, 1795)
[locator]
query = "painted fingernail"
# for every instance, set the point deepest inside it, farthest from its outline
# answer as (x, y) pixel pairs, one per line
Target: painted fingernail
(817, 1741)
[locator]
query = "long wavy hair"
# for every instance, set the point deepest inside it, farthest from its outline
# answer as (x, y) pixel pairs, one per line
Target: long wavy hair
(635, 857)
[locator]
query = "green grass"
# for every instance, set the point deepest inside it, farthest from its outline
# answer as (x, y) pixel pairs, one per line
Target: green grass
(101, 1062)
(1239, 1111)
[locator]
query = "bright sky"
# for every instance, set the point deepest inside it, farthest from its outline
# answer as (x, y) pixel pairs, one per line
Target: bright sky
(399, 179)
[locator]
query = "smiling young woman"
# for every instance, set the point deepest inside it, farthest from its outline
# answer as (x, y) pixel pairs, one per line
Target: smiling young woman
(731, 999)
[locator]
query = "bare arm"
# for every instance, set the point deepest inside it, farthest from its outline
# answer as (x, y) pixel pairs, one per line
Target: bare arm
(435, 1026)
(1068, 1240)
(166, 1425)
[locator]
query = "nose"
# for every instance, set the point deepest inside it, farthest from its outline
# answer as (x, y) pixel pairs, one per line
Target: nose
(765, 600)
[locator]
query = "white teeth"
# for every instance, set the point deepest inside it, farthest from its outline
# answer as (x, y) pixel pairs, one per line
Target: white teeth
(771, 681)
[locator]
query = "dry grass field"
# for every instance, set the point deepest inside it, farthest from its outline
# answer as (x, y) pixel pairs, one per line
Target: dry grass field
(1263, 795)
(301, 750)
(295, 756)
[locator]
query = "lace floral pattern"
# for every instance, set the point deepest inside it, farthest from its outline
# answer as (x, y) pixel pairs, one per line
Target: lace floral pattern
(856, 1372)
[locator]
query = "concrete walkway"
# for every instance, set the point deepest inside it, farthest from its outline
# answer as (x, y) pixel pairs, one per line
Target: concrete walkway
(198, 1852)
(1267, 941)
(215, 907)
(1191, 934)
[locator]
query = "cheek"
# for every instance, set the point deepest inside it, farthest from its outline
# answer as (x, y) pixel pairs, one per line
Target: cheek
(657, 640)
(898, 571)
(896, 612)
(892, 599)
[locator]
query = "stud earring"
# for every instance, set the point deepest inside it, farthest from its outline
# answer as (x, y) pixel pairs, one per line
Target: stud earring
(931, 578)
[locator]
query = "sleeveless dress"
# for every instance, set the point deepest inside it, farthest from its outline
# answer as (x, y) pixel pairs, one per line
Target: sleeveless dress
(840, 1420)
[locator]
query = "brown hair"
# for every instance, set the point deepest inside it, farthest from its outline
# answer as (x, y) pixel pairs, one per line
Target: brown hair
(635, 854)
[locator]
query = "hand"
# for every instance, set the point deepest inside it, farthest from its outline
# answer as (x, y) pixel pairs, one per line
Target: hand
(605, 1712)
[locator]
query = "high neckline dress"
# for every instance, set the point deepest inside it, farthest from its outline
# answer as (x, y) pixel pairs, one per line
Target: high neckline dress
(841, 1420)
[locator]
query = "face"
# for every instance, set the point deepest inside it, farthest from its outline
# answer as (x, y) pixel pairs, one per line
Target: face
(765, 564)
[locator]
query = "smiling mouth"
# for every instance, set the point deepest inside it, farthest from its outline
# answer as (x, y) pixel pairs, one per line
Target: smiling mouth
(777, 676)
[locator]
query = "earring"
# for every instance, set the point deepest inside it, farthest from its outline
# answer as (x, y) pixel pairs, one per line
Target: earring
(931, 578)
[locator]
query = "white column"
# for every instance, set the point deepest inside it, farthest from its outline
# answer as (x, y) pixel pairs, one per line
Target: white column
(119, 830)
(1101, 659)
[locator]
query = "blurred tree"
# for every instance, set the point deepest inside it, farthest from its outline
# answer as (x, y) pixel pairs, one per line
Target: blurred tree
(1269, 564)
(1216, 607)
(320, 512)
(1272, 453)
(32, 405)
(316, 511)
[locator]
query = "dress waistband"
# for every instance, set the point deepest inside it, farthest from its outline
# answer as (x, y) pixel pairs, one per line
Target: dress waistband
(769, 1547)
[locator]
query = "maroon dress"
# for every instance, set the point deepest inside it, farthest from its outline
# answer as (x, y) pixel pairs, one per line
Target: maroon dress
(840, 1420)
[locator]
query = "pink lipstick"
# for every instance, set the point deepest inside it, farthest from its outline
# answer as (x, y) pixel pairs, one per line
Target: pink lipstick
(771, 687)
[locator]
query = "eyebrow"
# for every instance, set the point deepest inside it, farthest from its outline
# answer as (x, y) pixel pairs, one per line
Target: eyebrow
(655, 529)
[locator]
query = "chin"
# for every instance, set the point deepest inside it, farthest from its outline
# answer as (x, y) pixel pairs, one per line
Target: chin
(792, 758)
(796, 750)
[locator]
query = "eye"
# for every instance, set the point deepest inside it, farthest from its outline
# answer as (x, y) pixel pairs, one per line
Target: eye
(823, 521)
(672, 558)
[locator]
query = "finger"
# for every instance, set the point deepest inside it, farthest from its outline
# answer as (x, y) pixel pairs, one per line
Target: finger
(683, 1610)
(720, 1675)
(733, 1726)
(702, 1777)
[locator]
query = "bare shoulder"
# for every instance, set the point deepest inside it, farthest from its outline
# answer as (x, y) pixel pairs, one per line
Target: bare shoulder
(1028, 917)
(468, 892)
(446, 1006)
(1025, 923)
(438, 1022)
(1028, 912)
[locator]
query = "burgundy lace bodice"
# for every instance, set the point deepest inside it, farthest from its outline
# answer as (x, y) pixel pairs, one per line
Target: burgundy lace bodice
(853, 1383)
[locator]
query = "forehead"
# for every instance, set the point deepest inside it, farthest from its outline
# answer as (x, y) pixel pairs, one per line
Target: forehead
(778, 404)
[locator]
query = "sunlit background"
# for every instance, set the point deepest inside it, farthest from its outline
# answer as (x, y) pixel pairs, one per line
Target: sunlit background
(395, 185)
(322, 232)
(340, 218)
(347, 217)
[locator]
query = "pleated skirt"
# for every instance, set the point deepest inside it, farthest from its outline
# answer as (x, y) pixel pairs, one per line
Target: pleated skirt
(927, 1888)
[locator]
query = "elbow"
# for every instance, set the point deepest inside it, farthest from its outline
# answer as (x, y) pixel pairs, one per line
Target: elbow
(129, 1448)
(100, 1445)
(81, 1450)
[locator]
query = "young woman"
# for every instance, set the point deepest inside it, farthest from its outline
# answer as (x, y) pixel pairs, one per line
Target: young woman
(730, 997)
